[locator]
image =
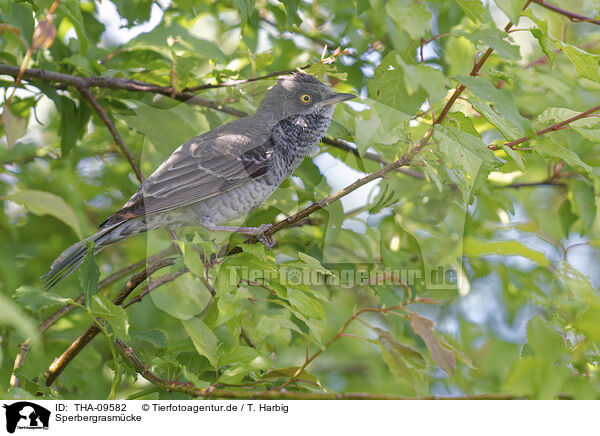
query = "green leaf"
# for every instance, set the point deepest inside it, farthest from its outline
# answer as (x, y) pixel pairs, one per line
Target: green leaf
(89, 274)
(14, 126)
(135, 11)
(473, 9)
(154, 337)
(73, 122)
(501, 99)
(512, 9)
(13, 315)
(387, 87)
(411, 16)
(547, 147)
(536, 378)
(402, 360)
(246, 8)
(256, 250)
(34, 299)
(509, 131)
(194, 7)
(240, 356)
(384, 125)
(45, 203)
(313, 264)
(585, 63)
(427, 78)
(584, 201)
(305, 304)
(441, 355)
(588, 323)
(291, 9)
(291, 371)
(516, 157)
(475, 247)
(203, 338)
(495, 38)
(546, 342)
(464, 155)
(114, 315)
(545, 40)
(309, 322)
(230, 304)
(191, 258)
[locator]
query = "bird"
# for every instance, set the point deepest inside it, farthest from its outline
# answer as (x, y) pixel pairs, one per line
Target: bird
(223, 174)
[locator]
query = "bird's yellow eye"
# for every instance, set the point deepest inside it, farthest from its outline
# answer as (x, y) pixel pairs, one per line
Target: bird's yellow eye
(305, 98)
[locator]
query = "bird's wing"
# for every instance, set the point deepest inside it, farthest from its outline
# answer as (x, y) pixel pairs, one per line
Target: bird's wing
(218, 161)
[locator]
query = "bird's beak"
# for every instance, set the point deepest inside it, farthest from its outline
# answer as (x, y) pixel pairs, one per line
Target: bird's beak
(337, 98)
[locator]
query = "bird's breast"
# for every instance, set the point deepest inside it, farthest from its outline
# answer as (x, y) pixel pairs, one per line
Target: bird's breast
(296, 137)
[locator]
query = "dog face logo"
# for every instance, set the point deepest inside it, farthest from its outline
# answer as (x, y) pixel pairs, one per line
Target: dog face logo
(26, 415)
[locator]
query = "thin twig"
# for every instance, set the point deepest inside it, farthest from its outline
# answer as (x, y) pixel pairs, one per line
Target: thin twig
(552, 128)
(242, 81)
(576, 18)
(534, 184)
(338, 335)
(113, 131)
(155, 284)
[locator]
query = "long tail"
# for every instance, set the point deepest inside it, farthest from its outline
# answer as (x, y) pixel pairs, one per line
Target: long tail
(70, 259)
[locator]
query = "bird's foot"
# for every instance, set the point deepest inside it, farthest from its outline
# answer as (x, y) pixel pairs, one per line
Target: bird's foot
(258, 232)
(267, 240)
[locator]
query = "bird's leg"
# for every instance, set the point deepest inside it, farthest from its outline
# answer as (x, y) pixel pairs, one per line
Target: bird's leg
(267, 240)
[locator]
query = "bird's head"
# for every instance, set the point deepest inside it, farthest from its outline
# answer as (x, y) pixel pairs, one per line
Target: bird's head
(300, 94)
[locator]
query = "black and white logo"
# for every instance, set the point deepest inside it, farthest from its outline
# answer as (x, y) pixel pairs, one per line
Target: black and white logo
(26, 415)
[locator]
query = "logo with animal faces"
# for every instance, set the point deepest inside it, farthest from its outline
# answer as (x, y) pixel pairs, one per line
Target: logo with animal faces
(24, 415)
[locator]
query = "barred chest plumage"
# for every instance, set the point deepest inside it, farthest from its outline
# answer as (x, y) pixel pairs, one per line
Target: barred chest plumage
(295, 138)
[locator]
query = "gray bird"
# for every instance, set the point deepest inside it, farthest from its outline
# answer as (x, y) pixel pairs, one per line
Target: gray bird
(223, 174)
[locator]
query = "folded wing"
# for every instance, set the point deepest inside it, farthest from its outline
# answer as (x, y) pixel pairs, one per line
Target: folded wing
(205, 166)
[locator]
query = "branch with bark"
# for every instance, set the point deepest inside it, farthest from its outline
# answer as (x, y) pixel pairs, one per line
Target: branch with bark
(60, 363)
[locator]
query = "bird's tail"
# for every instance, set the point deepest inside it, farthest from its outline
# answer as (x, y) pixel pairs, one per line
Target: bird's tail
(70, 259)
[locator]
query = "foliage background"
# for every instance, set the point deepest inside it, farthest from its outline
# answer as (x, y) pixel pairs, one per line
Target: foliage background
(516, 220)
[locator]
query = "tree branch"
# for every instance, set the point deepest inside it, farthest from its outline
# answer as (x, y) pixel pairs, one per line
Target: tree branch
(242, 81)
(576, 18)
(60, 363)
(118, 83)
(403, 161)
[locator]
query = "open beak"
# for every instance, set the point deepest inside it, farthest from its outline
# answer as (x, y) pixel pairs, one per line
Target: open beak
(337, 98)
